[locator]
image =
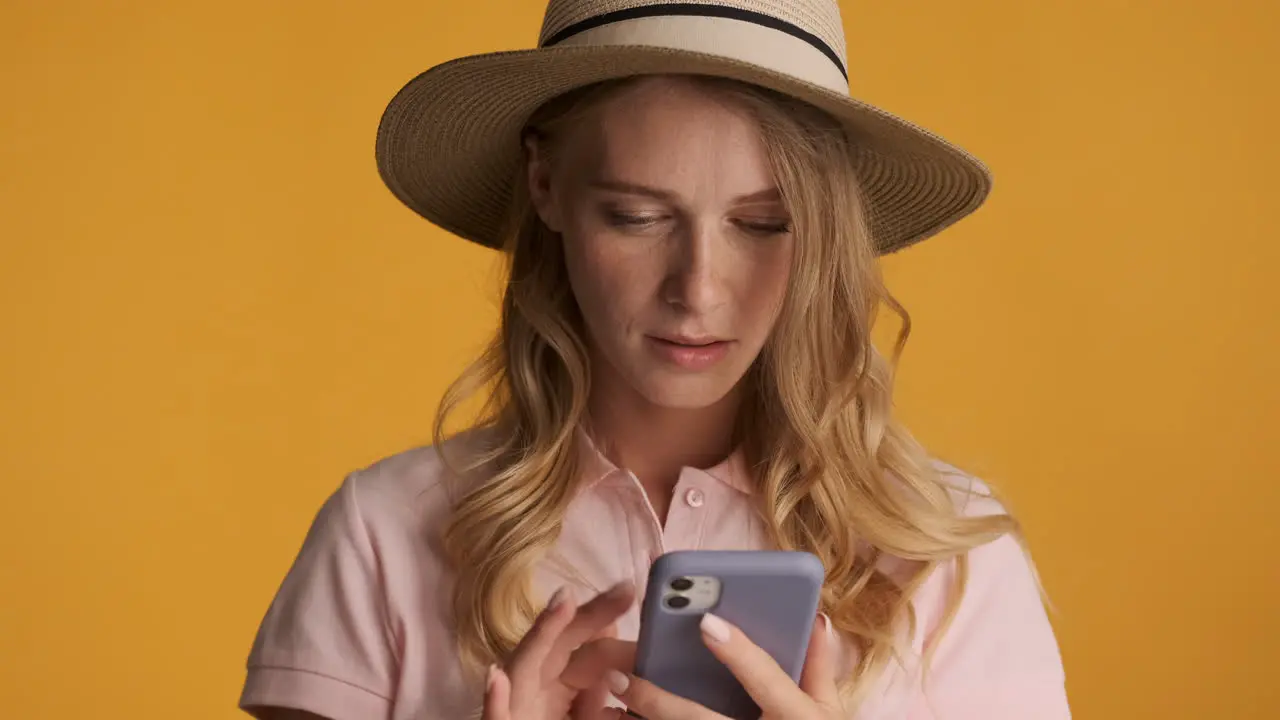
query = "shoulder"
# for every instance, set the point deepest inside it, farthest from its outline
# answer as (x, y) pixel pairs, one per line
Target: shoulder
(999, 640)
(993, 563)
(365, 591)
(972, 496)
(380, 527)
(988, 564)
(415, 485)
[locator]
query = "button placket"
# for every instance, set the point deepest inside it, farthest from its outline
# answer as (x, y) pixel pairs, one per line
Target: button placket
(690, 505)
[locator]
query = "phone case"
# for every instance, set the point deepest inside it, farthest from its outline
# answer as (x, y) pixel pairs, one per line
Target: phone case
(771, 595)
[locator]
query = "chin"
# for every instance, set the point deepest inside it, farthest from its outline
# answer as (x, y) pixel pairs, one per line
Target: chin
(689, 392)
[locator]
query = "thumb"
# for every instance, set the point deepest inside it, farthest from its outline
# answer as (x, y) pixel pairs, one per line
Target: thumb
(818, 679)
(592, 704)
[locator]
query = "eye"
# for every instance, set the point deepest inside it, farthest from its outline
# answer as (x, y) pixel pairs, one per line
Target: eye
(765, 228)
(631, 220)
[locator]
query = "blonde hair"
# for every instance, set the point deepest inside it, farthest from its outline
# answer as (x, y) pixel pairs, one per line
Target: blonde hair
(838, 476)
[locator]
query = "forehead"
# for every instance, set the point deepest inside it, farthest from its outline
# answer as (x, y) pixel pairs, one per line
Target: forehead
(668, 130)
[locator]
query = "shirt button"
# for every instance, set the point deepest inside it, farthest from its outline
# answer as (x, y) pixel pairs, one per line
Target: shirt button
(695, 498)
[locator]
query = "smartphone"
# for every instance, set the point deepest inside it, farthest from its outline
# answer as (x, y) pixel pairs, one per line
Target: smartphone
(771, 595)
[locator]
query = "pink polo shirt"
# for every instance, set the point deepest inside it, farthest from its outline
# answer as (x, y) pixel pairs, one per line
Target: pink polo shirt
(360, 629)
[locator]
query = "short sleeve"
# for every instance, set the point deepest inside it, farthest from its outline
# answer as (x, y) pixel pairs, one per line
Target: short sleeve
(999, 659)
(324, 644)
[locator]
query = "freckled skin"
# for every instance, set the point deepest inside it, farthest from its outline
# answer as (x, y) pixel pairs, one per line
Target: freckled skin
(708, 257)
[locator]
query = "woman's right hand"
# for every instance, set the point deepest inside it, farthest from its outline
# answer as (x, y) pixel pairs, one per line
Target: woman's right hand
(530, 686)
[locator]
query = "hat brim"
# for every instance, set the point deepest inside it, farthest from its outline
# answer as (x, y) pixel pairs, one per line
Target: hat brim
(448, 144)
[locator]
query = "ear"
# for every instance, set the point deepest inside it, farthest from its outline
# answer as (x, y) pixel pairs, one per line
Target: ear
(539, 177)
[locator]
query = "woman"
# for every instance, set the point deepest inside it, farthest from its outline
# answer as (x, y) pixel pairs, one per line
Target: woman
(692, 207)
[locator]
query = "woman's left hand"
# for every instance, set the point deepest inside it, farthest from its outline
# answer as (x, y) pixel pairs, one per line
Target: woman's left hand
(778, 696)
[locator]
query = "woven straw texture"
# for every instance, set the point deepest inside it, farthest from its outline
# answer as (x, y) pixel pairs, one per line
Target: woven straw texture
(820, 18)
(448, 145)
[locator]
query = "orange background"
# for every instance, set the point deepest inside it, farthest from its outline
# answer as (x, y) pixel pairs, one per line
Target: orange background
(211, 310)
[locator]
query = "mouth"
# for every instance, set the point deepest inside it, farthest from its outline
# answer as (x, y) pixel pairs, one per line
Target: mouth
(690, 353)
(686, 341)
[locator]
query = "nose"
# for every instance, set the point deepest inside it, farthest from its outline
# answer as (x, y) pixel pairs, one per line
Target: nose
(695, 280)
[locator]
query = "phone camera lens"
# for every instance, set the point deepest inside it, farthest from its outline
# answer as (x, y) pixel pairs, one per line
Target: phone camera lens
(677, 602)
(681, 584)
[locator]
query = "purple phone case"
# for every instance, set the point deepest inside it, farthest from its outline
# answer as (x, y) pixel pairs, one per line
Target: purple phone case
(771, 595)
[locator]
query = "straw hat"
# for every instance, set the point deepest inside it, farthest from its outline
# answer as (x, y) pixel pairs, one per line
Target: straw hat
(448, 144)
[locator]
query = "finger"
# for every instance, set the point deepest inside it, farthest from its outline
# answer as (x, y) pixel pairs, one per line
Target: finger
(818, 680)
(590, 704)
(596, 616)
(589, 663)
(531, 653)
(647, 700)
(590, 621)
(497, 695)
(767, 683)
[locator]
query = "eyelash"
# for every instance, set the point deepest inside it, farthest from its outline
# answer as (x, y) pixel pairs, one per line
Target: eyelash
(625, 221)
(767, 228)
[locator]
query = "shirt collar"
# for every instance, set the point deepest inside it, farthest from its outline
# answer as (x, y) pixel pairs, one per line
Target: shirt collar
(595, 467)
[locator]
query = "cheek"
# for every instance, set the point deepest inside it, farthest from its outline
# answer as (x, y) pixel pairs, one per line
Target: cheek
(603, 282)
(587, 275)
(767, 286)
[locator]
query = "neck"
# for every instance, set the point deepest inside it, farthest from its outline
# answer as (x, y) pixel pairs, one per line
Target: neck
(655, 442)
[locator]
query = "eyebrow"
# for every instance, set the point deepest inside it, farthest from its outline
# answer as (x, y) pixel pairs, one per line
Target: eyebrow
(770, 194)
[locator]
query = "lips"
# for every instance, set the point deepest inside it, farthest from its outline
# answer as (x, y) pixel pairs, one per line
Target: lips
(690, 353)
(690, 341)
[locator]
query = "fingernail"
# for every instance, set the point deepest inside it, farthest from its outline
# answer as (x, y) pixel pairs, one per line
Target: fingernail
(493, 677)
(557, 598)
(715, 628)
(618, 683)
